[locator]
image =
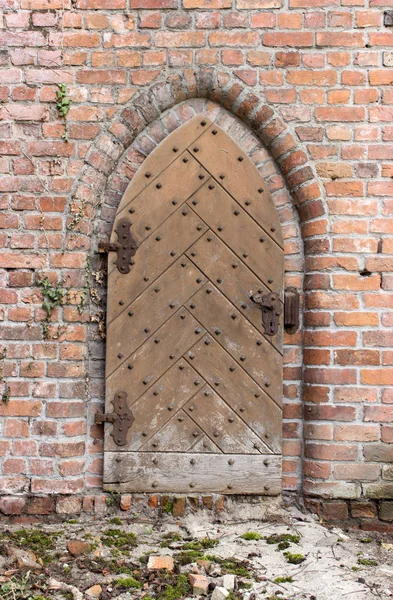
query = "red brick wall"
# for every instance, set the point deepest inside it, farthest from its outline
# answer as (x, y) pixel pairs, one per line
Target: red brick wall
(312, 81)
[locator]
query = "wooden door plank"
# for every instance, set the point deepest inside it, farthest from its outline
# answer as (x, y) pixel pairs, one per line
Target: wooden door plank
(243, 342)
(215, 259)
(222, 425)
(152, 359)
(220, 155)
(163, 155)
(177, 435)
(241, 233)
(239, 391)
(153, 257)
(161, 198)
(204, 445)
(157, 405)
(149, 311)
(187, 472)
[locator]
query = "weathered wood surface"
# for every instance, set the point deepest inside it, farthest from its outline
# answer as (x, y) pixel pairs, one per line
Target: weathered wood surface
(178, 435)
(163, 155)
(222, 425)
(158, 405)
(239, 390)
(241, 233)
(153, 358)
(185, 341)
(215, 260)
(154, 256)
(239, 338)
(150, 310)
(162, 197)
(190, 472)
(240, 178)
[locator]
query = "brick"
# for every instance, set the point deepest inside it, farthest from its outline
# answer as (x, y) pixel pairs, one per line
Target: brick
(125, 502)
(302, 39)
(68, 506)
(102, 77)
(12, 505)
(386, 511)
(256, 4)
(40, 506)
(363, 510)
(323, 78)
(179, 504)
(335, 511)
(339, 114)
(209, 4)
(160, 562)
(224, 38)
(378, 452)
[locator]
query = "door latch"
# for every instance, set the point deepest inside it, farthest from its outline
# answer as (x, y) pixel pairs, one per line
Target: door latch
(125, 247)
(271, 310)
(122, 418)
(291, 310)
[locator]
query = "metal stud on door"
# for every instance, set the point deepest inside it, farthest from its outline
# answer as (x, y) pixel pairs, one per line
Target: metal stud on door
(193, 363)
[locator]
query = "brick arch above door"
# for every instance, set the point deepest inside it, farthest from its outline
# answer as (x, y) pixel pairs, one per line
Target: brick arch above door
(228, 92)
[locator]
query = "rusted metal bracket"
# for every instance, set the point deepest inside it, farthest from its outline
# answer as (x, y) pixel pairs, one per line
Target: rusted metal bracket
(122, 418)
(125, 246)
(271, 311)
(388, 18)
(291, 310)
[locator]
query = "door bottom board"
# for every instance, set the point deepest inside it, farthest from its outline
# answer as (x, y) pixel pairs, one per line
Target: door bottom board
(173, 472)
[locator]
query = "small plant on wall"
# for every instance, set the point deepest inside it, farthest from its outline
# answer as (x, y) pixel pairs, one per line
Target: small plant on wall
(63, 106)
(54, 295)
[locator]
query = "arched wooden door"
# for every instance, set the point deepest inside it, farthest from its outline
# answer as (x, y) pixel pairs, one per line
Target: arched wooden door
(193, 371)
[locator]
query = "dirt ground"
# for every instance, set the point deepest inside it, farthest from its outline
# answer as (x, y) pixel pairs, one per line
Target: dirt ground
(286, 556)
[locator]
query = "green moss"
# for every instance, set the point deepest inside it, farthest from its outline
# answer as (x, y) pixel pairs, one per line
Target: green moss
(72, 521)
(168, 508)
(115, 521)
(283, 545)
(170, 538)
(231, 565)
(251, 535)
(282, 537)
(368, 562)
(366, 540)
(188, 556)
(39, 542)
(129, 582)
(119, 539)
(177, 590)
(283, 579)
(202, 544)
(294, 559)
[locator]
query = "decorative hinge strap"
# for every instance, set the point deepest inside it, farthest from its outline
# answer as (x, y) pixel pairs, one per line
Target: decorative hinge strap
(122, 418)
(271, 310)
(125, 247)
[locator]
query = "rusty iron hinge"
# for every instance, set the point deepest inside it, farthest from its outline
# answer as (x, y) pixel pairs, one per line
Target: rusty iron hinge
(125, 246)
(291, 310)
(122, 418)
(271, 311)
